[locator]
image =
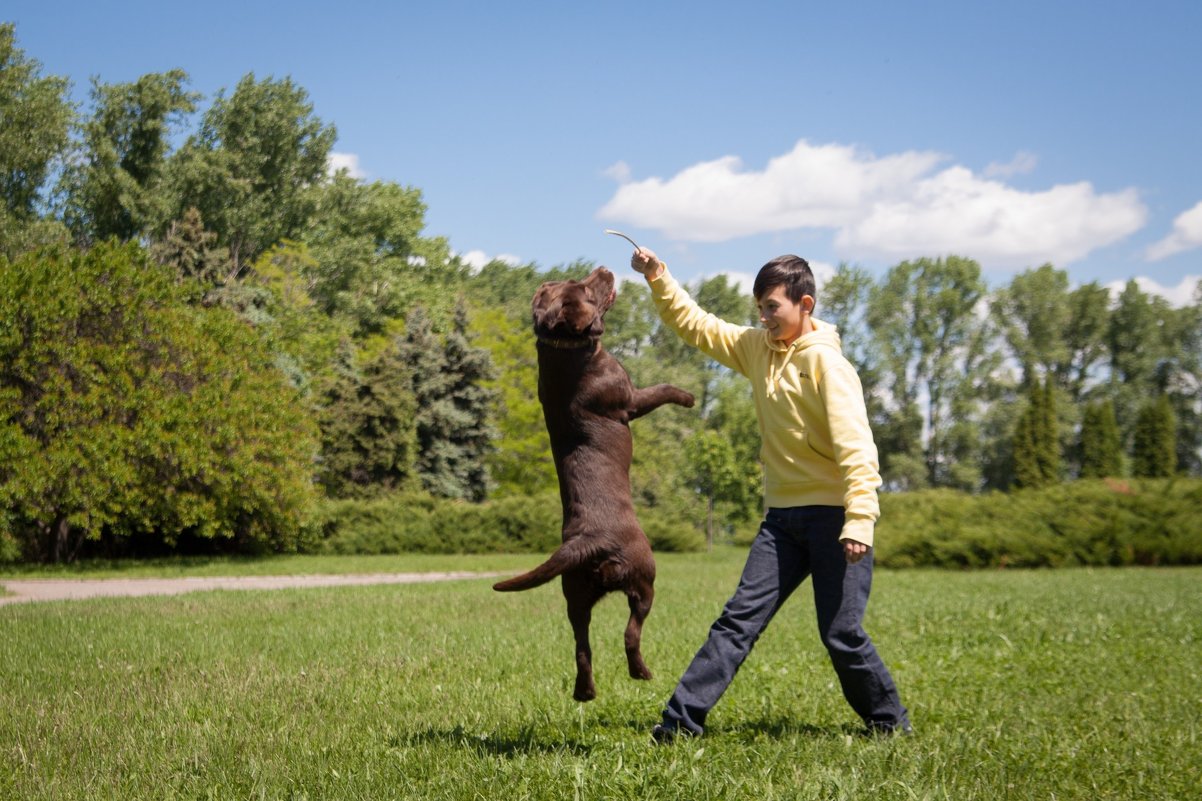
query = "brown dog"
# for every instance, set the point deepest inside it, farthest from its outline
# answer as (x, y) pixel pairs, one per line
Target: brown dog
(588, 401)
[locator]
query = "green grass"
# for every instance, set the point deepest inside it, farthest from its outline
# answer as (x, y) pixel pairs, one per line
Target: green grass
(1072, 684)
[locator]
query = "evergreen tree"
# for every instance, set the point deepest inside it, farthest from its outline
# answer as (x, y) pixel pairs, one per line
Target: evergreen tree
(1037, 439)
(453, 433)
(1101, 443)
(1154, 443)
(192, 251)
(369, 441)
(1050, 460)
(469, 367)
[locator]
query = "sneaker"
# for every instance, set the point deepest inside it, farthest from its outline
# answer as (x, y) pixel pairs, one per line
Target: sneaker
(877, 729)
(662, 734)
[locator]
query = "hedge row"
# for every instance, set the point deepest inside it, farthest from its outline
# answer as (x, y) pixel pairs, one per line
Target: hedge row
(1100, 522)
(1105, 522)
(420, 524)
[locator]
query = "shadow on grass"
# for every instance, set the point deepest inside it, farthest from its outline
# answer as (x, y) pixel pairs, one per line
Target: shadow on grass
(784, 728)
(776, 728)
(506, 744)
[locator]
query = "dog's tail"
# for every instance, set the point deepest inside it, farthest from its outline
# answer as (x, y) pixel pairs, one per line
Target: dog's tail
(572, 553)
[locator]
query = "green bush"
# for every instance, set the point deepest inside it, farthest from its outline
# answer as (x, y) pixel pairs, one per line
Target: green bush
(10, 549)
(670, 533)
(417, 523)
(133, 423)
(1095, 522)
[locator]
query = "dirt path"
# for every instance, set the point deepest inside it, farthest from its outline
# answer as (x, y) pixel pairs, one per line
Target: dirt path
(26, 590)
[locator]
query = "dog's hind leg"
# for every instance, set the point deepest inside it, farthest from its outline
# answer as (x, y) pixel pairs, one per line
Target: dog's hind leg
(581, 598)
(640, 598)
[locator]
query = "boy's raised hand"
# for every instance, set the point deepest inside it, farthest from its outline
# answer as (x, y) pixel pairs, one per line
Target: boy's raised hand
(646, 262)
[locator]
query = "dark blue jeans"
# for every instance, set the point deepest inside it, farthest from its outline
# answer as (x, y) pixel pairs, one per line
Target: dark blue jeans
(792, 544)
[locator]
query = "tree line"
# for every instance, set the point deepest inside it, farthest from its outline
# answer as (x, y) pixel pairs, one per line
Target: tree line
(205, 336)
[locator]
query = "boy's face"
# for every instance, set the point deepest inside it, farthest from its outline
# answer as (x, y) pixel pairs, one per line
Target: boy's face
(783, 318)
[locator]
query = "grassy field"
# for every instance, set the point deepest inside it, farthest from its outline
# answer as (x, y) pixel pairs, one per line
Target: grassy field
(1074, 684)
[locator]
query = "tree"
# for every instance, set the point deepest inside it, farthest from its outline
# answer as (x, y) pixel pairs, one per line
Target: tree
(1033, 312)
(371, 264)
(843, 302)
(1037, 439)
(499, 285)
(734, 419)
(35, 119)
(1154, 442)
(368, 431)
(191, 251)
(1101, 444)
(630, 322)
(1139, 353)
(128, 417)
(473, 434)
(1183, 381)
(712, 472)
(114, 187)
(1085, 337)
(452, 408)
(933, 347)
(520, 462)
(251, 166)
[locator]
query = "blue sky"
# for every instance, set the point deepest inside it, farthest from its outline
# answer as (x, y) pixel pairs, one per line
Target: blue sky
(723, 134)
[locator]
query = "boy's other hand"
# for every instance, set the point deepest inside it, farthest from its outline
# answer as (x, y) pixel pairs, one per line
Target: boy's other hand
(854, 551)
(646, 262)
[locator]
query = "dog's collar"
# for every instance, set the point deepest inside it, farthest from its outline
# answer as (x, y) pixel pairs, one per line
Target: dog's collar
(566, 344)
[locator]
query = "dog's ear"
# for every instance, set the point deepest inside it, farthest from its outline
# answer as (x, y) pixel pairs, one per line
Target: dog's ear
(545, 308)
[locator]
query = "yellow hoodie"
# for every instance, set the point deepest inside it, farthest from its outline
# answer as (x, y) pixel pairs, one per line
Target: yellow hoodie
(817, 446)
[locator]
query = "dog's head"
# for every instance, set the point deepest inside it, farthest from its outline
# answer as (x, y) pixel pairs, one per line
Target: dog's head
(573, 310)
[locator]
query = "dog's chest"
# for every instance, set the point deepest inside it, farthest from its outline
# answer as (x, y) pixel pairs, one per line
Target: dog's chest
(576, 394)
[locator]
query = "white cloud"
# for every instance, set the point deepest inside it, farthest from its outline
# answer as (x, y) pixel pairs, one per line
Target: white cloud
(1186, 235)
(478, 258)
(1177, 296)
(345, 161)
(824, 186)
(619, 172)
(1022, 163)
(744, 281)
(954, 211)
(890, 206)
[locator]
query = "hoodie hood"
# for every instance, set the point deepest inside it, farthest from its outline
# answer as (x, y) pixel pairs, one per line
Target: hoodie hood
(823, 334)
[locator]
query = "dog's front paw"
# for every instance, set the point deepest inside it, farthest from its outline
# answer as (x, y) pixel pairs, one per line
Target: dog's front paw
(685, 399)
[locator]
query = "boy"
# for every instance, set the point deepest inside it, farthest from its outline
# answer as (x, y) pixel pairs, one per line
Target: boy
(820, 482)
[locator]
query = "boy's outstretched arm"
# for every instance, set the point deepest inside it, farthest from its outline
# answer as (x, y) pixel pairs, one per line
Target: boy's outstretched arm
(707, 332)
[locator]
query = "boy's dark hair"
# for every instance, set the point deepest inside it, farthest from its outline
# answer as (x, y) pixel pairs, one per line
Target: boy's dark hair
(793, 272)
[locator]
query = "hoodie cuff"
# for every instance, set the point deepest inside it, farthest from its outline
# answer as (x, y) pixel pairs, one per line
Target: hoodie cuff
(858, 529)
